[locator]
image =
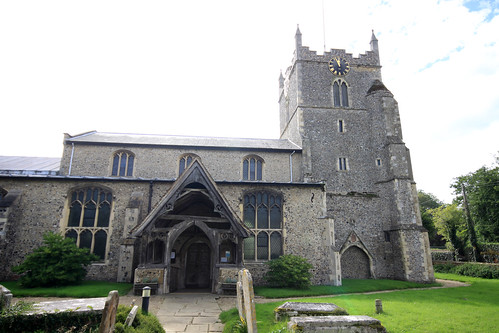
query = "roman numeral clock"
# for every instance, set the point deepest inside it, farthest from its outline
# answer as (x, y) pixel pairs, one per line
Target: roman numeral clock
(339, 66)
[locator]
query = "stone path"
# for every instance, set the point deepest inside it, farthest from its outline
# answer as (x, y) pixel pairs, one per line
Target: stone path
(187, 311)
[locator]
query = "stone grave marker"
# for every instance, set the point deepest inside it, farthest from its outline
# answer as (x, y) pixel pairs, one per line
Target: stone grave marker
(295, 309)
(246, 300)
(5, 298)
(131, 316)
(109, 312)
(335, 324)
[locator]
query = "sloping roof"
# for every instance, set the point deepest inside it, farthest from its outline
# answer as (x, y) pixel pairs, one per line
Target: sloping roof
(195, 173)
(30, 164)
(183, 141)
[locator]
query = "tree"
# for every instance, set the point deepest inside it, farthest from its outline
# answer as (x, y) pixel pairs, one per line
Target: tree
(450, 223)
(482, 189)
(57, 262)
(428, 201)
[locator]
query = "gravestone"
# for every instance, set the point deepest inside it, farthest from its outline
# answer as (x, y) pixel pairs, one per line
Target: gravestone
(379, 306)
(5, 298)
(131, 316)
(335, 324)
(295, 309)
(109, 312)
(246, 300)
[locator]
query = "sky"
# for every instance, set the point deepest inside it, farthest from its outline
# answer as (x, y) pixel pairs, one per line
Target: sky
(211, 68)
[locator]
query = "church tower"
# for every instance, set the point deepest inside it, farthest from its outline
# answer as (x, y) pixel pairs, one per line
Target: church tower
(337, 109)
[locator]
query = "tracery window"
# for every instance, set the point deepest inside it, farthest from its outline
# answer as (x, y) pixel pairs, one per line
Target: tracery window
(123, 164)
(88, 221)
(340, 93)
(263, 216)
(252, 168)
(184, 162)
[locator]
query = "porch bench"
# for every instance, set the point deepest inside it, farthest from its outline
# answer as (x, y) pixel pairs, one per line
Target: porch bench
(137, 288)
(229, 288)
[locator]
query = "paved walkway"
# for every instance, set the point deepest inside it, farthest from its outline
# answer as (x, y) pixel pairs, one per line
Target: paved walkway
(187, 311)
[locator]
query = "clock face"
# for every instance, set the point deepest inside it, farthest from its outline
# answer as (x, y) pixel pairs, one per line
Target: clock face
(339, 66)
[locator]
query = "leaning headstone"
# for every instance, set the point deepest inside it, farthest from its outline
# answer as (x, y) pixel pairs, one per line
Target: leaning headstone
(240, 301)
(109, 312)
(131, 316)
(248, 300)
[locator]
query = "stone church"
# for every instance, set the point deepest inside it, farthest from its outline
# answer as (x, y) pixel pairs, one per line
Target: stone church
(189, 212)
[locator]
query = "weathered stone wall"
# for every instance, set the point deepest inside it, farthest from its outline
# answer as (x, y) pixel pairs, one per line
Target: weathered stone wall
(44, 206)
(162, 162)
(375, 197)
(304, 225)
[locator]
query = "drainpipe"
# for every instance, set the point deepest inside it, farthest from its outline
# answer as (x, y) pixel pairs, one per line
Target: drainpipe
(150, 197)
(291, 166)
(71, 159)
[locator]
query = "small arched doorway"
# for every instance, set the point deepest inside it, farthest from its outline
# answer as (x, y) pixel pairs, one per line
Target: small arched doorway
(355, 264)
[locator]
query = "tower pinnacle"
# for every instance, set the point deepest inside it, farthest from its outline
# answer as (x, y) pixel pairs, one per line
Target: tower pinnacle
(298, 37)
(374, 43)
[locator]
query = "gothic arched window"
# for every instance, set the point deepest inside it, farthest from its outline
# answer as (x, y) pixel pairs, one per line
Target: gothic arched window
(184, 162)
(88, 221)
(123, 164)
(263, 216)
(252, 168)
(340, 93)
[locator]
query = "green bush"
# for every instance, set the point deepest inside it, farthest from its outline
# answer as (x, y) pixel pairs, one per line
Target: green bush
(18, 321)
(143, 323)
(57, 262)
(289, 271)
(474, 270)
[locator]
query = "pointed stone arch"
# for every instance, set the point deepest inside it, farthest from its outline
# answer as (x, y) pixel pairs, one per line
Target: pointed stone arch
(356, 261)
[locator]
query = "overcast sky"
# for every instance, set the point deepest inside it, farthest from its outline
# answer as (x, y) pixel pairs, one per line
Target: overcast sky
(211, 68)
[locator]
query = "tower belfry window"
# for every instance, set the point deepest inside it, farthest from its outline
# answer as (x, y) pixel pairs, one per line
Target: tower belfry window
(340, 93)
(342, 164)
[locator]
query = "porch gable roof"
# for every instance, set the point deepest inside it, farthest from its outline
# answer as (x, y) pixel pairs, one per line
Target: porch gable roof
(195, 173)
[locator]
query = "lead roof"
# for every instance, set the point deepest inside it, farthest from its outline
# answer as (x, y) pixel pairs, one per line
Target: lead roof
(182, 141)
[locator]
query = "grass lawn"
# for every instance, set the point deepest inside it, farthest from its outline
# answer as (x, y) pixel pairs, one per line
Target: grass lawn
(349, 286)
(84, 290)
(462, 309)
